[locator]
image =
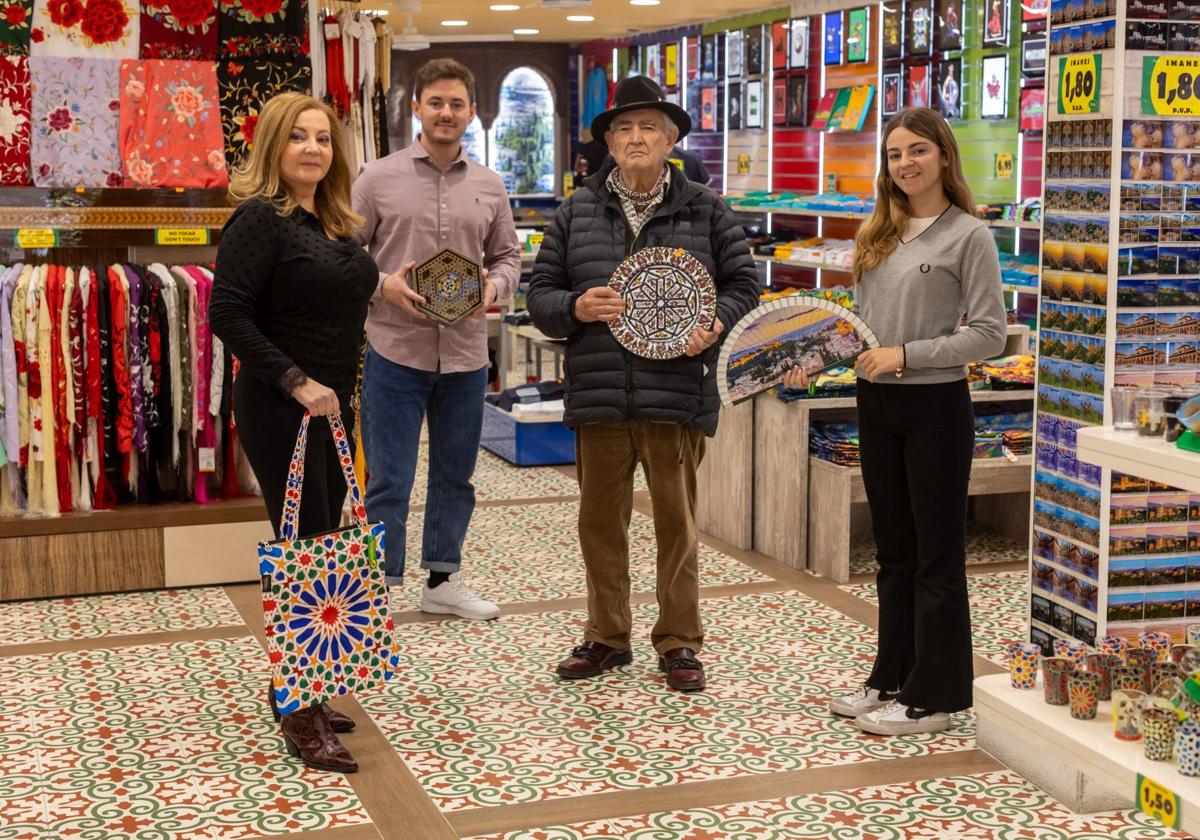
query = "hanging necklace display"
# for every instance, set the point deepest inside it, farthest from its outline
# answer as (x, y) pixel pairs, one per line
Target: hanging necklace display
(668, 293)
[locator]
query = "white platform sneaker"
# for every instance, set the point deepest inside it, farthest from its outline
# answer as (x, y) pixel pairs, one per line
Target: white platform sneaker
(454, 597)
(860, 702)
(897, 719)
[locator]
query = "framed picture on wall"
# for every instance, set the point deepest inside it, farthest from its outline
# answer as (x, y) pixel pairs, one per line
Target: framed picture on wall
(893, 29)
(833, 38)
(754, 50)
(671, 65)
(918, 35)
(797, 100)
(918, 86)
(652, 68)
(735, 106)
(1033, 56)
(1034, 9)
(735, 45)
(949, 16)
(893, 98)
(708, 57)
(994, 87)
(754, 104)
(995, 23)
(693, 57)
(798, 55)
(629, 62)
(949, 89)
(779, 100)
(708, 108)
(856, 35)
(779, 45)
(1033, 110)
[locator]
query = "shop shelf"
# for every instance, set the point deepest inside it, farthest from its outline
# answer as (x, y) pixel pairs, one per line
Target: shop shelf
(1145, 457)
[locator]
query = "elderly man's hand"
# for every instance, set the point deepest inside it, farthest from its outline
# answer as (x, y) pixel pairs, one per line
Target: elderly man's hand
(701, 339)
(599, 304)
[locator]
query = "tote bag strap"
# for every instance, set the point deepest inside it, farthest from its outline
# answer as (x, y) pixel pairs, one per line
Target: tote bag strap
(295, 479)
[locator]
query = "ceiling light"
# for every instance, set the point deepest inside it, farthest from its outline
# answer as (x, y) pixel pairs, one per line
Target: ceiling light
(580, 18)
(454, 23)
(644, 2)
(504, 7)
(525, 31)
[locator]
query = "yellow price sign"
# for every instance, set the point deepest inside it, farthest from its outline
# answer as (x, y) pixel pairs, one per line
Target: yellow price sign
(1171, 85)
(36, 238)
(535, 239)
(743, 164)
(1004, 165)
(181, 236)
(1158, 802)
(1079, 84)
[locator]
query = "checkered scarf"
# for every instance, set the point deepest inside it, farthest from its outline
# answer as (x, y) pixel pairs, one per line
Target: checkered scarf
(638, 207)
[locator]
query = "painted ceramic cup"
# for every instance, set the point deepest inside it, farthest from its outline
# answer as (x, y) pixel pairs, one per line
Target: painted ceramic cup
(1187, 748)
(1165, 678)
(1180, 651)
(1023, 660)
(1126, 678)
(1193, 634)
(1141, 658)
(1127, 714)
(1102, 664)
(1116, 645)
(1156, 641)
(1055, 672)
(1158, 732)
(1072, 649)
(1084, 690)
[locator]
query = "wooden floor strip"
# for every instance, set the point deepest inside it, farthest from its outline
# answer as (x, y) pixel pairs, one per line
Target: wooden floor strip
(719, 792)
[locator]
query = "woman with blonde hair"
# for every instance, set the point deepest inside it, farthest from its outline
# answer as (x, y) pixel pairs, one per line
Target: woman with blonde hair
(289, 299)
(922, 260)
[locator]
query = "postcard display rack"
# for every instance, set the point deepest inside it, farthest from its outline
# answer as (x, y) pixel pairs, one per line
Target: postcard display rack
(1112, 553)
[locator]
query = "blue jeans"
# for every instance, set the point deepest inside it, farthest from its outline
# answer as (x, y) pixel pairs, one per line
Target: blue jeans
(395, 399)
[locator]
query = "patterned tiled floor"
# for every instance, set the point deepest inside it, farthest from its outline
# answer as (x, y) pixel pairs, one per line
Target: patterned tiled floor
(126, 614)
(497, 727)
(990, 806)
(496, 479)
(983, 546)
(163, 741)
(998, 609)
(531, 553)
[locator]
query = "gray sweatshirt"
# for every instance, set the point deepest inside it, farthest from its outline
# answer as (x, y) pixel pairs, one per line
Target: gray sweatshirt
(917, 297)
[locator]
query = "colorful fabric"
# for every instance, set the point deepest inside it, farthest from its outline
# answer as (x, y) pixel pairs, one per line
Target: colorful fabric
(15, 128)
(170, 125)
(324, 598)
(75, 122)
(16, 17)
(185, 29)
(245, 85)
(85, 29)
(251, 28)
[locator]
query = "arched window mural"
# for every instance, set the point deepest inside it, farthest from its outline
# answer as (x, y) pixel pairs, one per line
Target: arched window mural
(521, 140)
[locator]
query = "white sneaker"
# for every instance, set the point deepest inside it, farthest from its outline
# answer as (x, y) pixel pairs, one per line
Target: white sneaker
(860, 702)
(454, 597)
(897, 719)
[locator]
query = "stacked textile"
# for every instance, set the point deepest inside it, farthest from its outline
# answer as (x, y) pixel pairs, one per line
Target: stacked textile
(114, 389)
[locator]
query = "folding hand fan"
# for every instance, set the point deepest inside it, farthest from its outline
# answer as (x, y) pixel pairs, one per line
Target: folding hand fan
(796, 330)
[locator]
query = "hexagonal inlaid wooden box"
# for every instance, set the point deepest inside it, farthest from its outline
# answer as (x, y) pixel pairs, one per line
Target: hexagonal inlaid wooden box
(451, 284)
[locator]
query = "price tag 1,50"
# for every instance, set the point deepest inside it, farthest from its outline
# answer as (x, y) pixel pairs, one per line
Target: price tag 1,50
(1079, 84)
(1158, 802)
(1171, 85)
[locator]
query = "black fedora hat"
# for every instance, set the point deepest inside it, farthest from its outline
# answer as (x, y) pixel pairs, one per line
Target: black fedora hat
(633, 94)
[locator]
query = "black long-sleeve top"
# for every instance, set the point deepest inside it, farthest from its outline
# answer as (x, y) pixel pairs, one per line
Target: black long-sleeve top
(287, 298)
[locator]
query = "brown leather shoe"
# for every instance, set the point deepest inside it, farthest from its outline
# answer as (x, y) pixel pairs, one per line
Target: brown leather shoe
(309, 738)
(591, 659)
(338, 722)
(684, 671)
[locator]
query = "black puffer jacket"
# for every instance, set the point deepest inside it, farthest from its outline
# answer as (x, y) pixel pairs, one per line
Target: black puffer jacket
(583, 247)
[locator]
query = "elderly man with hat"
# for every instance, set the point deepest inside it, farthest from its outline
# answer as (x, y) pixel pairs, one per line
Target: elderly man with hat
(626, 409)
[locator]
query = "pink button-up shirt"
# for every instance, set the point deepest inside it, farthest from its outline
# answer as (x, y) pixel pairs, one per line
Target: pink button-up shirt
(413, 210)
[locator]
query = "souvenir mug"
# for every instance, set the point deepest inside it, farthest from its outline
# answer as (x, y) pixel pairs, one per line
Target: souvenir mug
(1165, 678)
(1158, 732)
(1187, 748)
(1023, 660)
(1193, 634)
(1102, 664)
(1116, 645)
(1156, 641)
(1084, 690)
(1126, 678)
(1055, 672)
(1072, 649)
(1179, 651)
(1126, 712)
(1141, 658)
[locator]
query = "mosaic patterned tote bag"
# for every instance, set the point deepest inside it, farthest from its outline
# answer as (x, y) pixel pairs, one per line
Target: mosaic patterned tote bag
(325, 600)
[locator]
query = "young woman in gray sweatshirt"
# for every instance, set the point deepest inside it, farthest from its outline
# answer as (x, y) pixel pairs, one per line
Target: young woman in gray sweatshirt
(922, 261)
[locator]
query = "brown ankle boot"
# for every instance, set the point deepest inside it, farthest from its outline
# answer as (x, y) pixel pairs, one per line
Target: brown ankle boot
(309, 738)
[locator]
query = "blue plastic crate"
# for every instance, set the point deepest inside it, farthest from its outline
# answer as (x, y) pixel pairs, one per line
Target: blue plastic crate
(526, 443)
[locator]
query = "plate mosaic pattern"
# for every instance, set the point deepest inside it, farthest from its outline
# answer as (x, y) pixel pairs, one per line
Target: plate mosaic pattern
(158, 741)
(496, 727)
(668, 293)
(988, 806)
(999, 610)
(125, 614)
(983, 546)
(531, 553)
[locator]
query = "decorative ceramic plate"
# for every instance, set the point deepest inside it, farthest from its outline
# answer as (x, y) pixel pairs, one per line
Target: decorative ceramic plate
(668, 293)
(451, 284)
(796, 330)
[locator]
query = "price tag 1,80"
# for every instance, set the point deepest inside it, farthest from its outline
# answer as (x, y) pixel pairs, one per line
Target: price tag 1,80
(1158, 802)
(1171, 85)
(1079, 84)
